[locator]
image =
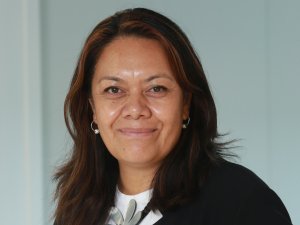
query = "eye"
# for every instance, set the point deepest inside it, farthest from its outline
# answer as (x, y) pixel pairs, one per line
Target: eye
(158, 89)
(112, 90)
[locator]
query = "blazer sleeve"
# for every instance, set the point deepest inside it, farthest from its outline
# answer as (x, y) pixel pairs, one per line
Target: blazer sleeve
(263, 207)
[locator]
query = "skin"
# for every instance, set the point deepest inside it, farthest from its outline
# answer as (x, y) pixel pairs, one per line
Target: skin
(139, 108)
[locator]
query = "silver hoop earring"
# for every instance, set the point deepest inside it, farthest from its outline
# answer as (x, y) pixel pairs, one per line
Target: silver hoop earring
(185, 125)
(96, 131)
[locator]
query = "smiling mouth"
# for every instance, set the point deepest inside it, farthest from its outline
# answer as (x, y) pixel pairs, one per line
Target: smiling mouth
(137, 132)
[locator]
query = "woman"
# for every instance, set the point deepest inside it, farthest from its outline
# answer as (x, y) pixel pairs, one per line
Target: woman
(144, 127)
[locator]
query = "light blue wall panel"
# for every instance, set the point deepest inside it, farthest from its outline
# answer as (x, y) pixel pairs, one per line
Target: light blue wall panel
(11, 90)
(21, 190)
(284, 112)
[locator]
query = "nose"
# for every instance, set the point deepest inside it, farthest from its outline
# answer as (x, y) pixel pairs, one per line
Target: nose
(136, 107)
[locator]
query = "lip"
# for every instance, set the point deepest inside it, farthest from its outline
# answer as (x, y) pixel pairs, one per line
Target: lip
(137, 132)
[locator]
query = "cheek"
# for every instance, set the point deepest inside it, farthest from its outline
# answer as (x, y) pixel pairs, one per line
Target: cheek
(170, 116)
(171, 110)
(106, 114)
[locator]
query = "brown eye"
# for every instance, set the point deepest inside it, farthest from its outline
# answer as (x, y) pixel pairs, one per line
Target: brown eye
(112, 90)
(159, 89)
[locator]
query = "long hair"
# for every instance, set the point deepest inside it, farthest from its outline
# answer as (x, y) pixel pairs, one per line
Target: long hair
(86, 182)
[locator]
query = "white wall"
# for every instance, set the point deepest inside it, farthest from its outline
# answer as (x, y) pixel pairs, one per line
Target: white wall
(21, 187)
(249, 49)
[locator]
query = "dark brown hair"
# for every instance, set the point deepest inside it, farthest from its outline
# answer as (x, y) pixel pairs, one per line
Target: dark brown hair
(86, 182)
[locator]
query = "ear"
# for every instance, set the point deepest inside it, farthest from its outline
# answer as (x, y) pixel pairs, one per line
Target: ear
(93, 109)
(186, 106)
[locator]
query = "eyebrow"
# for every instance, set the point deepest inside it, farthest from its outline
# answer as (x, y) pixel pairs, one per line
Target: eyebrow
(153, 77)
(113, 78)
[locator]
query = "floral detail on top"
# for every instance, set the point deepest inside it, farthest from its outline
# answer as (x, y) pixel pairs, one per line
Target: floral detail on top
(130, 219)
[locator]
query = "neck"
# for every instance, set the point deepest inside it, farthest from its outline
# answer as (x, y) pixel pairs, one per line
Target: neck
(135, 180)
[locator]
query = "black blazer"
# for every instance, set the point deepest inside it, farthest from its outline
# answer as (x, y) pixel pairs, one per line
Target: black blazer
(232, 195)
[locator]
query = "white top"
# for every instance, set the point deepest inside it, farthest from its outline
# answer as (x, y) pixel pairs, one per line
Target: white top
(142, 199)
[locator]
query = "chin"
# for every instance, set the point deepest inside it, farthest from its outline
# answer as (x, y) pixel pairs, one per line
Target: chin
(139, 161)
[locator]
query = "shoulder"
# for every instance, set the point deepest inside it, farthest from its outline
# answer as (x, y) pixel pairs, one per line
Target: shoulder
(234, 176)
(237, 191)
(241, 197)
(232, 194)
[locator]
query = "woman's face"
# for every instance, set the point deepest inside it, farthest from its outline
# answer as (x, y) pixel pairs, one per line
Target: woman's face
(137, 103)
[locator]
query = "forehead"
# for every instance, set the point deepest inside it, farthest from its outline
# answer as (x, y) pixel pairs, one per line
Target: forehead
(133, 55)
